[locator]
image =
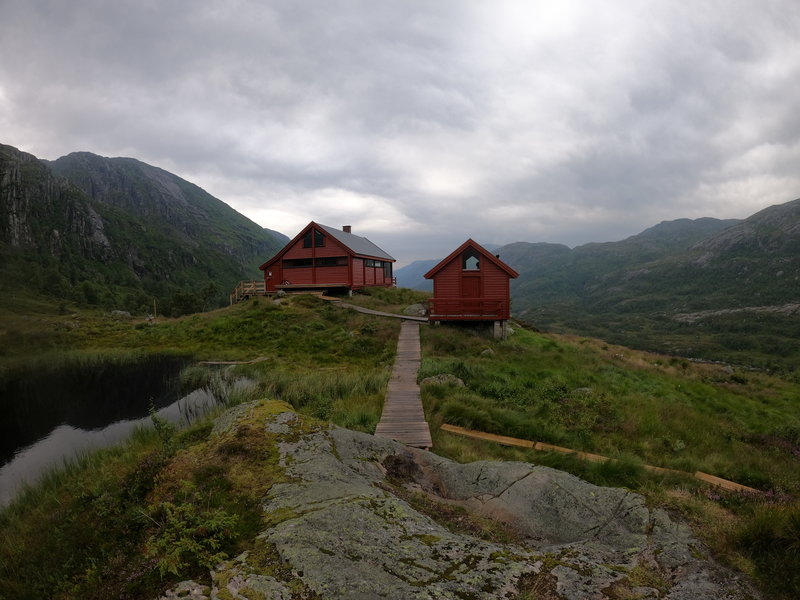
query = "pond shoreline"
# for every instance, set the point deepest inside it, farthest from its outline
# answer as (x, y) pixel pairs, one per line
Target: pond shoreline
(51, 413)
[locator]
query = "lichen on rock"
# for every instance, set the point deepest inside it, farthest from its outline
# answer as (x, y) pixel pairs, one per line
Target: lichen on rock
(343, 524)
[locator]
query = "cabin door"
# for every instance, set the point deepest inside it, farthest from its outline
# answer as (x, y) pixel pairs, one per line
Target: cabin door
(470, 294)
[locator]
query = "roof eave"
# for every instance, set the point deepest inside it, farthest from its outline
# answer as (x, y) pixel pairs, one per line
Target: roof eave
(470, 242)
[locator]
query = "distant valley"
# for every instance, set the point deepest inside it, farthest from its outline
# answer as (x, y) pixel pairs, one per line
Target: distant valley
(706, 288)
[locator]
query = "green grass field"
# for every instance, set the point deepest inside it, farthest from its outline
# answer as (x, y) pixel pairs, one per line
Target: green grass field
(123, 512)
(638, 408)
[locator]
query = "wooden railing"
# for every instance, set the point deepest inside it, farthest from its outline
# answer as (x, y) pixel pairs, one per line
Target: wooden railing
(510, 441)
(245, 289)
(466, 308)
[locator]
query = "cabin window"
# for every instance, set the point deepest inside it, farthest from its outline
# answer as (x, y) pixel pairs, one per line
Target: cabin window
(315, 237)
(471, 261)
(297, 263)
(387, 270)
(331, 261)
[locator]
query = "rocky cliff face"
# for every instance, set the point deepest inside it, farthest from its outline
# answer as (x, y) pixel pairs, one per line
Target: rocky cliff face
(364, 517)
(39, 212)
(14, 225)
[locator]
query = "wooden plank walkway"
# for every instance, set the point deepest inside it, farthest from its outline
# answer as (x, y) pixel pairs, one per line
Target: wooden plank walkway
(510, 441)
(378, 313)
(403, 419)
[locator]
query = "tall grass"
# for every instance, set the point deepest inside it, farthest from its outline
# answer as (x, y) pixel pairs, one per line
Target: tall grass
(596, 400)
(771, 539)
(227, 385)
(349, 397)
(76, 516)
(127, 521)
(637, 408)
(54, 360)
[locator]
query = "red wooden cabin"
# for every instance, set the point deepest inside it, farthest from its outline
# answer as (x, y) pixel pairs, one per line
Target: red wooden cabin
(471, 284)
(325, 258)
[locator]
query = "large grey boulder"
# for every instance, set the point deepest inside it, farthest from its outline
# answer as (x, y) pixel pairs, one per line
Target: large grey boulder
(415, 310)
(346, 525)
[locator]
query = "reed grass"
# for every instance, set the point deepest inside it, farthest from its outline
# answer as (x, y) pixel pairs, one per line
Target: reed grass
(350, 398)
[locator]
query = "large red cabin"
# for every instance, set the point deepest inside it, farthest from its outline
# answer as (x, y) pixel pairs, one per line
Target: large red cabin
(471, 284)
(325, 258)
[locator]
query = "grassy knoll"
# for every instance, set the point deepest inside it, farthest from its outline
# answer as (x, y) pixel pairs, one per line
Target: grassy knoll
(641, 409)
(242, 332)
(392, 300)
(329, 362)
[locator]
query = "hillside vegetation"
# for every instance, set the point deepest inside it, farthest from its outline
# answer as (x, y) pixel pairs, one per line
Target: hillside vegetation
(118, 233)
(725, 290)
(144, 500)
(638, 408)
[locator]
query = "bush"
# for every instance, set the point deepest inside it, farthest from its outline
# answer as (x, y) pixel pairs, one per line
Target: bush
(189, 536)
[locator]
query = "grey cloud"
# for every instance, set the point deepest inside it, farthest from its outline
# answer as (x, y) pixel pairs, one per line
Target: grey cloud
(501, 122)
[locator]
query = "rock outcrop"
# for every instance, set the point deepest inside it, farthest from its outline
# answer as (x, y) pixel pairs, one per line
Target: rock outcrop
(363, 517)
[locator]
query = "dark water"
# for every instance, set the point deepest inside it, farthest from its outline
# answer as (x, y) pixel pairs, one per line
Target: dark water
(53, 414)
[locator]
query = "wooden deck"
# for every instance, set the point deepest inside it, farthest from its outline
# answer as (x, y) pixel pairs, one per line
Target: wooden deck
(245, 289)
(403, 419)
(467, 309)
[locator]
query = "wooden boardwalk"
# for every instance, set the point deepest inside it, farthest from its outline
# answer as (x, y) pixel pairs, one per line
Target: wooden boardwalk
(378, 313)
(403, 419)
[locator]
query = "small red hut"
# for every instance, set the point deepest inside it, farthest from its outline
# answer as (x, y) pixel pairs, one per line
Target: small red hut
(325, 258)
(471, 284)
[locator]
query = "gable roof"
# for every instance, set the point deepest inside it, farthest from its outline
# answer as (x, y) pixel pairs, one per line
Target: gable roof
(360, 246)
(470, 243)
(357, 244)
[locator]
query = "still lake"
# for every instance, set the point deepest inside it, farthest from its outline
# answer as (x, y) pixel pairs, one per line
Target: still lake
(53, 414)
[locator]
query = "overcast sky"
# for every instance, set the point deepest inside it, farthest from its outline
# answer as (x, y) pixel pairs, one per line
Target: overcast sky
(424, 123)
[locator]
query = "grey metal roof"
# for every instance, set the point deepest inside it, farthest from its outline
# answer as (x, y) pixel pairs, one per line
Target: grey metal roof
(359, 245)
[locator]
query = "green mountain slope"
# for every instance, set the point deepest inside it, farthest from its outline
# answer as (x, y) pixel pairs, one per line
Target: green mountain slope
(120, 233)
(707, 288)
(555, 272)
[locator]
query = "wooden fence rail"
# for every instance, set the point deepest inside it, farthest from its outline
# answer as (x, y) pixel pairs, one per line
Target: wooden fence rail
(245, 289)
(510, 441)
(466, 308)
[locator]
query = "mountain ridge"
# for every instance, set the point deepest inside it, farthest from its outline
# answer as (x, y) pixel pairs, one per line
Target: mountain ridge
(633, 292)
(735, 279)
(118, 232)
